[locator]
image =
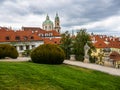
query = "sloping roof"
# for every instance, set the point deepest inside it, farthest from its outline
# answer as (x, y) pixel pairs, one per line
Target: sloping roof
(30, 34)
(115, 56)
(52, 40)
(31, 28)
(103, 41)
(13, 36)
(37, 31)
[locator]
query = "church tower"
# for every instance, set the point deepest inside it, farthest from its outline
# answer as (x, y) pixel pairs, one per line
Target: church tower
(47, 24)
(57, 23)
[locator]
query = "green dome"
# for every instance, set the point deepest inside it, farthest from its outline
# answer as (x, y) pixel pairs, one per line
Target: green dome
(47, 21)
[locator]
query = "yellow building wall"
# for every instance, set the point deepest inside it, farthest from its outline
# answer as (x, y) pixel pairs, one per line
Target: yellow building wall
(99, 50)
(95, 53)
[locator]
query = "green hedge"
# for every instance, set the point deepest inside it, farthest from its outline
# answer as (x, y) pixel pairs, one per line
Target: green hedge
(7, 50)
(48, 54)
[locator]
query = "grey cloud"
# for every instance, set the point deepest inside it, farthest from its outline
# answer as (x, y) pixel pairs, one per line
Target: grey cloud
(85, 11)
(13, 8)
(36, 10)
(71, 12)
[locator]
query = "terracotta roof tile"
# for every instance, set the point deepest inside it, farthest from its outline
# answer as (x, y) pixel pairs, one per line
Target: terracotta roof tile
(29, 34)
(23, 36)
(115, 56)
(103, 41)
(52, 40)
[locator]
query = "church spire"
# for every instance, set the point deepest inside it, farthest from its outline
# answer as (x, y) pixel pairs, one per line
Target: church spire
(56, 14)
(47, 17)
(56, 17)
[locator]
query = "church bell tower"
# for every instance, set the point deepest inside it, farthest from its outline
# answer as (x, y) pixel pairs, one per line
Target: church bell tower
(57, 23)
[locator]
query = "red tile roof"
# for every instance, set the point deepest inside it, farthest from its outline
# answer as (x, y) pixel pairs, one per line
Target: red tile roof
(52, 40)
(103, 41)
(31, 28)
(39, 31)
(13, 36)
(115, 56)
(29, 34)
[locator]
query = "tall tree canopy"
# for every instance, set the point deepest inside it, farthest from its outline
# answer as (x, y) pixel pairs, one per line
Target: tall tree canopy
(80, 40)
(76, 45)
(66, 43)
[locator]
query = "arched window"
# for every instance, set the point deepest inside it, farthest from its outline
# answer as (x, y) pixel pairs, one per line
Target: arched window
(45, 27)
(49, 27)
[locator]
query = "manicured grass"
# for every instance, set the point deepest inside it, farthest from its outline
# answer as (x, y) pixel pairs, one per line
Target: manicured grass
(31, 76)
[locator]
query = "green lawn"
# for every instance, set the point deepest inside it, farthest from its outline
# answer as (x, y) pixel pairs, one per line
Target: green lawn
(31, 76)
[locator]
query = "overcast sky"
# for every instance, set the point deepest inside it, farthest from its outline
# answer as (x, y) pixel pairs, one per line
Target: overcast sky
(98, 16)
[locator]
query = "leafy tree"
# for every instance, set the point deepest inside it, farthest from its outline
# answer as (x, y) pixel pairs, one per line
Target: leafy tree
(80, 40)
(66, 43)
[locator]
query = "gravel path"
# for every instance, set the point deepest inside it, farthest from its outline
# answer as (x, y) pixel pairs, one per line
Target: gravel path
(19, 59)
(109, 70)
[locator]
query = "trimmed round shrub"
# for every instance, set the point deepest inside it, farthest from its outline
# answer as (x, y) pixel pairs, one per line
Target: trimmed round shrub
(7, 50)
(48, 54)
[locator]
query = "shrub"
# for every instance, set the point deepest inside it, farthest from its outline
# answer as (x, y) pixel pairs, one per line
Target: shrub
(7, 50)
(26, 53)
(93, 59)
(48, 54)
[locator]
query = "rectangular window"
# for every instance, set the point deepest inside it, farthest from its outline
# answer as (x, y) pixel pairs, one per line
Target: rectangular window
(21, 47)
(17, 38)
(33, 46)
(27, 47)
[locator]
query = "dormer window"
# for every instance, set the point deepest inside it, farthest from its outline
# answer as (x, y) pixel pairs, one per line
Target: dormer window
(32, 31)
(7, 38)
(17, 38)
(32, 37)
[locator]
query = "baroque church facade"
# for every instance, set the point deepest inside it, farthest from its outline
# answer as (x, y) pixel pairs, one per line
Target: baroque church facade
(48, 25)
